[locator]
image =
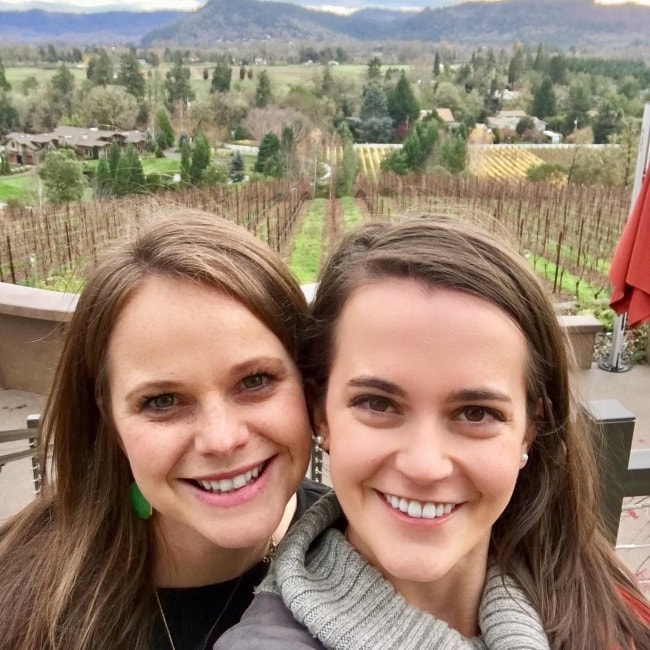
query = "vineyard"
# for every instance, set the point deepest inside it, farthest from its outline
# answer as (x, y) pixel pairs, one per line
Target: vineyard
(568, 233)
(501, 162)
(369, 157)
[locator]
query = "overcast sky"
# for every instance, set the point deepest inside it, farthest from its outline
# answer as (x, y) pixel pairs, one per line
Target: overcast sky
(146, 5)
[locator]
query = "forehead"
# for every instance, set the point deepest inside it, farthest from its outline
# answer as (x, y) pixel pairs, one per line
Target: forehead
(397, 322)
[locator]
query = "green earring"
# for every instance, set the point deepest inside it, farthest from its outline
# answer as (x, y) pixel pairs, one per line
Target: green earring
(139, 504)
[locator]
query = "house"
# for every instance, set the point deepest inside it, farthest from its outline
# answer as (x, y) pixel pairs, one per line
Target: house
(444, 115)
(505, 120)
(93, 143)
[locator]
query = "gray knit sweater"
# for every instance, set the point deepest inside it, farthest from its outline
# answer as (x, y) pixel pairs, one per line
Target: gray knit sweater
(336, 597)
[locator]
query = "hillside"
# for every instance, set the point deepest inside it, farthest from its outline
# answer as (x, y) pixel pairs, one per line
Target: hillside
(566, 23)
(106, 27)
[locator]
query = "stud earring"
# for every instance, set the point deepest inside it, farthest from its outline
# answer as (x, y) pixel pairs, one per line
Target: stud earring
(524, 458)
(139, 504)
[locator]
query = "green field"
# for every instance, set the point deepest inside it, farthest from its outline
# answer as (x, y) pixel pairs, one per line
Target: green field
(21, 187)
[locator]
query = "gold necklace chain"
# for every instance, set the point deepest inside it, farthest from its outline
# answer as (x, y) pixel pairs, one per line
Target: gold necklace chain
(268, 557)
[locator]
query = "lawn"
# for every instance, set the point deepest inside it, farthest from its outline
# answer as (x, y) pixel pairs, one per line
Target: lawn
(21, 187)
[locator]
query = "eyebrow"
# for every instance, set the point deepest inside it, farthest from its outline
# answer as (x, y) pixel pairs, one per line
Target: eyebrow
(465, 395)
(378, 384)
(479, 395)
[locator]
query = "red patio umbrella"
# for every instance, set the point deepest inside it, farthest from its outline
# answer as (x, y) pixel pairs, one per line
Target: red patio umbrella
(629, 272)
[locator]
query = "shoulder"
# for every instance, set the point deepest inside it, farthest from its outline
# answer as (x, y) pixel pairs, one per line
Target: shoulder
(267, 624)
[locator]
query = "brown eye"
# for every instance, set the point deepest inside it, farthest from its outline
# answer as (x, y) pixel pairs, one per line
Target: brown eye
(475, 413)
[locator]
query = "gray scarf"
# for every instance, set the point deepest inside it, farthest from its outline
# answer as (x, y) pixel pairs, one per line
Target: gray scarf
(346, 603)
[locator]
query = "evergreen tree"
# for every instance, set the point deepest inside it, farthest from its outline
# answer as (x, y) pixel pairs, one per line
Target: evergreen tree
(221, 78)
(374, 69)
(5, 167)
(186, 161)
(402, 105)
(100, 68)
(200, 158)
(263, 92)
(346, 172)
(608, 121)
(557, 69)
(61, 93)
(544, 99)
(436, 64)
(453, 153)
(103, 180)
(130, 76)
(373, 103)
(164, 131)
(114, 155)
(516, 67)
(236, 169)
(242, 72)
(177, 84)
(269, 147)
(129, 177)
(4, 84)
(9, 119)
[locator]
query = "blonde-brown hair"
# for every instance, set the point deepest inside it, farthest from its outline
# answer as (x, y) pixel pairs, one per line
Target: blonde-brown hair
(550, 537)
(76, 564)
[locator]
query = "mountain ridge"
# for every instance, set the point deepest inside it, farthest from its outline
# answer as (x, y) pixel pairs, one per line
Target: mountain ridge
(563, 23)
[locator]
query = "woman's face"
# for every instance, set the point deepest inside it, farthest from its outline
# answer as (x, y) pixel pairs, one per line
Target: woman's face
(210, 412)
(425, 420)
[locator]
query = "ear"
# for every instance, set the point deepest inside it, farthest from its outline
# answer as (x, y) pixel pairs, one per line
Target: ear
(531, 428)
(319, 421)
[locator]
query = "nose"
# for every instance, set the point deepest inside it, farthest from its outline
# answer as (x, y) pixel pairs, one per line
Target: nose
(221, 429)
(426, 453)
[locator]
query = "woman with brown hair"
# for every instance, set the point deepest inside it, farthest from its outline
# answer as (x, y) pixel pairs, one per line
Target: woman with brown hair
(178, 438)
(465, 512)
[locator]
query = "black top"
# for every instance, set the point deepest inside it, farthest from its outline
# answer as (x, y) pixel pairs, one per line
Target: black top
(192, 611)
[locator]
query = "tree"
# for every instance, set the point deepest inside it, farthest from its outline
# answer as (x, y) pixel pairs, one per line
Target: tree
(186, 161)
(100, 68)
(200, 158)
(402, 105)
(242, 72)
(268, 152)
(110, 105)
(557, 69)
(221, 78)
(526, 123)
(373, 103)
(608, 121)
(453, 153)
(374, 69)
(9, 119)
(436, 64)
(164, 131)
(544, 99)
(346, 172)
(63, 176)
(61, 93)
(516, 66)
(130, 76)
(114, 155)
(129, 177)
(103, 181)
(177, 84)
(263, 92)
(4, 84)
(236, 170)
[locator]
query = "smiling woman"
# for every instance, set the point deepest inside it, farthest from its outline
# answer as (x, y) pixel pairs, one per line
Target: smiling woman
(179, 438)
(466, 511)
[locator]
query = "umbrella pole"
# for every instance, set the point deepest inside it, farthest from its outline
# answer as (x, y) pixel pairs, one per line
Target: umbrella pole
(614, 363)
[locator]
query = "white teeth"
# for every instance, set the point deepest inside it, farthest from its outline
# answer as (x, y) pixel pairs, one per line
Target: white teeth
(231, 484)
(419, 509)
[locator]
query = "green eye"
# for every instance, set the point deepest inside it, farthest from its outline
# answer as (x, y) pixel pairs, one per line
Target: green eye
(162, 402)
(254, 381)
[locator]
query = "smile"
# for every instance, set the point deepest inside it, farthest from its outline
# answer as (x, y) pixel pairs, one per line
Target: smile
(227, 485)
(419, 509)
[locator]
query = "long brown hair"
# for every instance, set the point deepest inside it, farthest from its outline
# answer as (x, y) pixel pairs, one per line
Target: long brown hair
(550, 537)
(76, 565)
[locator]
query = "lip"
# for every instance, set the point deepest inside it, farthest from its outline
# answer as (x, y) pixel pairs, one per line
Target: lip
(239, 497)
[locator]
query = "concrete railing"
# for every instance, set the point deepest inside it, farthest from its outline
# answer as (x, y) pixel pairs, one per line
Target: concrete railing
(33, 321)
(32, 324)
